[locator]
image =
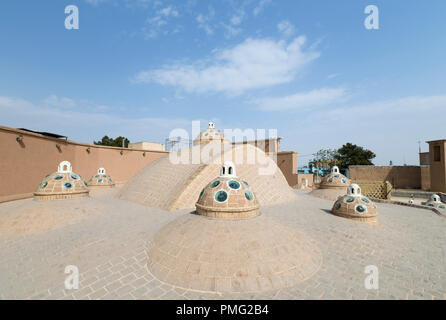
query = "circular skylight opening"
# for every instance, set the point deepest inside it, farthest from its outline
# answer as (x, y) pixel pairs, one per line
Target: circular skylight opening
(221, 196)
(67, 185)
(248, 195)
(361, 209)
(233, 184)
(214, 184)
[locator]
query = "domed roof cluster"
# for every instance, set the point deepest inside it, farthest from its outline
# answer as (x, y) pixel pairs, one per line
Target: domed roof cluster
(355, 206)
(62, 184)
(227, 196)
(101, 179)
(209, 135)
(226, 255)
(435, 202)
(335, 180)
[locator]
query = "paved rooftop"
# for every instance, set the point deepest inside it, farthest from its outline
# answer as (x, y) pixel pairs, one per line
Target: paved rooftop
(408, 246)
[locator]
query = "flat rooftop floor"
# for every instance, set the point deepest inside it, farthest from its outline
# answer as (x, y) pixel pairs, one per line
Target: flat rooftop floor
(408, 246)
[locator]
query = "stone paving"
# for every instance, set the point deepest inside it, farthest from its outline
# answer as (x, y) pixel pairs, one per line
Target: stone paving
(408, 246)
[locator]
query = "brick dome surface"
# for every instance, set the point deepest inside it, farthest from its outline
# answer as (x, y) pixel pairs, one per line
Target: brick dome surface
(227, 197)
(334, 180)
(101, 179)
(174, 186)
(355, 206)
(221, 255)
(62, 184)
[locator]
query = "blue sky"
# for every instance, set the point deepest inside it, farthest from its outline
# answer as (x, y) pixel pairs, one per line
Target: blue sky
(309, 69)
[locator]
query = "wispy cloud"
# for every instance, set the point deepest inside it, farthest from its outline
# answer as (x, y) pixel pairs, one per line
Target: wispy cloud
(204, 21)
(254, 63)
(62, 102)
(286, 28)
(156, 23)
(260, 7)
(302, 100)
(84, 126)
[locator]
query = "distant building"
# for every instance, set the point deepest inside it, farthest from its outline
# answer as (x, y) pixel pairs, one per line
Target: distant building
(437, 165)
(149, 146)
(424, 158)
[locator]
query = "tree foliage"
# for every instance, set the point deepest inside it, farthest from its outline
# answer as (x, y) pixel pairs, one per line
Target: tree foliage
(106, 141)
(324, 158)
(351, 154)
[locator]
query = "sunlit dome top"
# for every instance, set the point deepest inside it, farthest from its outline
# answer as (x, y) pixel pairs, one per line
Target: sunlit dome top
(435, 202)
(227, 196)
(211, 134)
(334, 180)
(101, 179)
(62, 184)
(355, 206)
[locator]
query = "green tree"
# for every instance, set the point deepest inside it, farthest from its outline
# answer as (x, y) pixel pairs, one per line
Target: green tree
(106, 141)
(324, 158)
(351, 154)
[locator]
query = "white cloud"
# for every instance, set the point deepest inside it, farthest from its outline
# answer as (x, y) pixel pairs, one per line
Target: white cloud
(286, 28)
(237, 18)
(169, 11)
(332, 75)
(85, 126)
(260, 7)
(391, 128)
(302, 100)
(255, 63)
(204, 21)
(159, 21)
(55, 101)
(231, 30)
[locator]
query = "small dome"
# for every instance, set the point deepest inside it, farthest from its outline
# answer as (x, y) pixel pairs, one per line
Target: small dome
(211, 134)
(355, 206)
(334, 180)
(62, 184)
(101, 179)
(435, 202)
(227, 196)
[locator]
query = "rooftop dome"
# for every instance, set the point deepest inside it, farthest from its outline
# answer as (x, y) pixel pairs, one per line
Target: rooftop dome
(227, 196)
(101, 179)
(355, 206)
(335, 180)
(62, 184)
(172, 186)
(435, 202)
(210, 135)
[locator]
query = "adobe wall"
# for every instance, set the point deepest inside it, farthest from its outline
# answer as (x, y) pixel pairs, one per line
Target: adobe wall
(437, 166)
(401, 177)
(425, 178)
(24, 164)
(308, 176)
(287, 162)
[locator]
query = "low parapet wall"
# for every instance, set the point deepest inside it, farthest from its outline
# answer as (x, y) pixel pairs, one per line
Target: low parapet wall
(24, 162)
(375, 189)
(401, 177)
